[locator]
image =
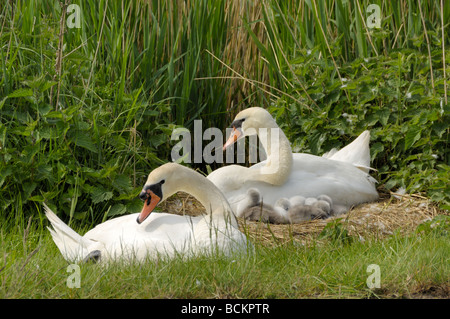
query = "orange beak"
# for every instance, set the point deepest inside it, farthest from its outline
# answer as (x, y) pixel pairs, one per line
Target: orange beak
(149, 205)
(234, 136)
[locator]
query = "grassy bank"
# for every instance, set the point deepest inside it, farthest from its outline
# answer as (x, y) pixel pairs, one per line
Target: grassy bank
(411, 266)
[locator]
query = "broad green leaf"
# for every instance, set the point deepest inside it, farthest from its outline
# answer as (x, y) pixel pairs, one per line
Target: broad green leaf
(82, 139)
(99, 194)
(122, 183)
(375, 149)
(4, 173)
(134, 206)
(117, 209)
(412, 136)
(21, 93)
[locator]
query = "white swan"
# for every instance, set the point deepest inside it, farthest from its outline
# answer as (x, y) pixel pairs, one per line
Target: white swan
(146, 234)
(283, 174)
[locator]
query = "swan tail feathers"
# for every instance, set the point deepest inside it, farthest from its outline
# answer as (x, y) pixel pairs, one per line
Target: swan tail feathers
(356, 153)
(365, 169)
(71, 245)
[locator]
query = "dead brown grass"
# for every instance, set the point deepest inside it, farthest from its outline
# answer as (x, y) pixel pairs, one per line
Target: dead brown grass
(391, 213)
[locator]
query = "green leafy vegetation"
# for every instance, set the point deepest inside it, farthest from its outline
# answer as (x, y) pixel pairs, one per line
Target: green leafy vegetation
(86, 113)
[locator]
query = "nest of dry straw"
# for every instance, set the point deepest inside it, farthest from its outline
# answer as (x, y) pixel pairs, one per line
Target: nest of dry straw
(391, 213)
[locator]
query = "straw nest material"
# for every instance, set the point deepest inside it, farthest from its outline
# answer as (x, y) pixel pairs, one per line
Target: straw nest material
(391, 213)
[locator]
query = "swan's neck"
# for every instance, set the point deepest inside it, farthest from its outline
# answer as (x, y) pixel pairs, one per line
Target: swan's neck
(279, 154)
(207, 194)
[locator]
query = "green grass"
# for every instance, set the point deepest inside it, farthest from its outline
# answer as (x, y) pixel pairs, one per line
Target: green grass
(32, 267)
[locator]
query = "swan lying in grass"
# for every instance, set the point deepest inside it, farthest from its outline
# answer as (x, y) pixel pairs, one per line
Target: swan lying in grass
(136, 237)
(284, 174)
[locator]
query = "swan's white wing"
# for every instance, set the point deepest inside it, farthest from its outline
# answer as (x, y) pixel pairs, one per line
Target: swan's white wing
(161, 234)
(311, 177)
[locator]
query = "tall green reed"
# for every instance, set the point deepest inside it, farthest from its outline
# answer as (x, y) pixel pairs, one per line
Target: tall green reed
(137, 69)
(327, 54)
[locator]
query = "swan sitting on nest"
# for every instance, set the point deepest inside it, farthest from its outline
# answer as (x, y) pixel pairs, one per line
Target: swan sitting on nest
(284, 174)
(148, 234)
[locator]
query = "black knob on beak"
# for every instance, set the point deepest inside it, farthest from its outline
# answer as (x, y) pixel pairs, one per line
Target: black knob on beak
(143, 195)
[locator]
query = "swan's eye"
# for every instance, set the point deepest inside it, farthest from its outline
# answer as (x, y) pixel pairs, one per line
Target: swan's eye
(162, 181)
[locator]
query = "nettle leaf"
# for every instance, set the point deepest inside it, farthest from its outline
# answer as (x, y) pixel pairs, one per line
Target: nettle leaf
(28, 188)
(333, 97)
(21, 93)
(99, 194)
(122, 183)
(82, 126)
(117, 209)
(82, 139)
(316, 142)
(372, 119)
(4, 173)
(77, 56)
(157, 140)
(375, 149)
(47, 85)
(44, 171)
(134, 206)
(391, 183)
(412, 136)
(384, 115)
